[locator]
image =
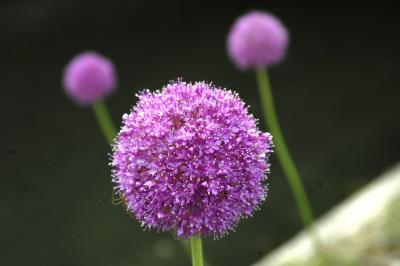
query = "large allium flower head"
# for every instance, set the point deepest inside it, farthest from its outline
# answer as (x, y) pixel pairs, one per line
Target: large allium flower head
(257, 39)
(89, 77)
(190, 159)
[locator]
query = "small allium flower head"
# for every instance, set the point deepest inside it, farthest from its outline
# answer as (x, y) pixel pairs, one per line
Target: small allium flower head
(89, 77)
(190, 159)
(257, 39)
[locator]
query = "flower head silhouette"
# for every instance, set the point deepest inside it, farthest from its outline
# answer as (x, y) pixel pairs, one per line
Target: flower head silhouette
(190, 159)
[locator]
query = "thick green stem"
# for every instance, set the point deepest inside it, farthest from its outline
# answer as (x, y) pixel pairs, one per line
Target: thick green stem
(289, 168)
(104, 120)
(197, 251)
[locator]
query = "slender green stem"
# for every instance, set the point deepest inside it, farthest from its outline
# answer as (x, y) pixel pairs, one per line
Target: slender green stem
(282, 151)
(105, 121)
(197, 251)
(187, 247)
(289, 168)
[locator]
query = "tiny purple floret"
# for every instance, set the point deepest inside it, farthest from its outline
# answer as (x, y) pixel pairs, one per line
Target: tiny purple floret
(191, 160)
(257, 39)
(89, 77)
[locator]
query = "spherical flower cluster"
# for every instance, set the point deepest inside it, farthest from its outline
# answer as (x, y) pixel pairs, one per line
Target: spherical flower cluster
(257, 39)
(89, 77)
(190, 159)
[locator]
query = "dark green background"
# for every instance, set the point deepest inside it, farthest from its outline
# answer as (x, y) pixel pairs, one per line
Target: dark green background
(337, 95)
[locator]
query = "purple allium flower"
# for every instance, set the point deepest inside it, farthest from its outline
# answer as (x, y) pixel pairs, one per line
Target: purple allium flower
(190, 159)
(257, 39)
(89, 77)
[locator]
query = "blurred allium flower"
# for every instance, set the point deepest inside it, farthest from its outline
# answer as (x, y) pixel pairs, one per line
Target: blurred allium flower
(257, 39)
(89, 77)
(190, 159)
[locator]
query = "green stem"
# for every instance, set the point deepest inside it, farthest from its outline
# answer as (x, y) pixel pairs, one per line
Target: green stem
(104, 120)
(289, 168)
(197, 251)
